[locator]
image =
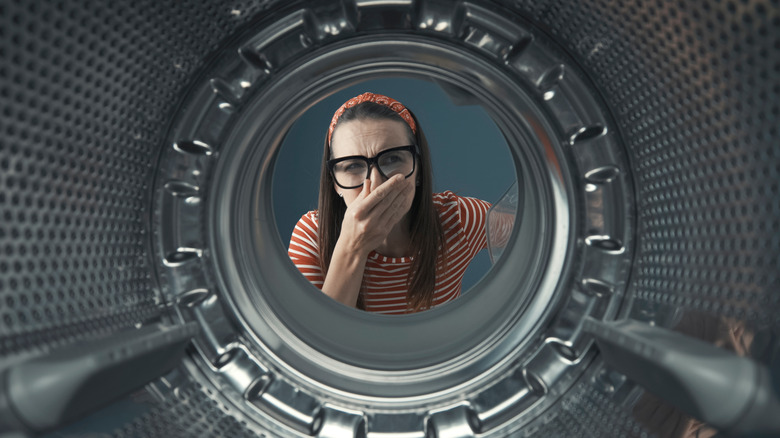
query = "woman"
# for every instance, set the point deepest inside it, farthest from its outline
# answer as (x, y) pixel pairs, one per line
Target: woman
(381, 240)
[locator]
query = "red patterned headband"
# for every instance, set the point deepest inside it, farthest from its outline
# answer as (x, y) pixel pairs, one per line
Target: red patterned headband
(391, 103)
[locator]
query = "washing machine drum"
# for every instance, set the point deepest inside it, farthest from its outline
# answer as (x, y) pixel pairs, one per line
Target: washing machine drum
(145, 291)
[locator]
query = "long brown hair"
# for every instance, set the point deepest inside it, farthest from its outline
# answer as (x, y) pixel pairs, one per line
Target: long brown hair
(425, 229)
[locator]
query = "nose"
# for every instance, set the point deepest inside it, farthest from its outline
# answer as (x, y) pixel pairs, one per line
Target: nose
(375, 175)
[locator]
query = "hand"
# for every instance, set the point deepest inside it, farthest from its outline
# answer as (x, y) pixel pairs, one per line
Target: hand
(373, 214)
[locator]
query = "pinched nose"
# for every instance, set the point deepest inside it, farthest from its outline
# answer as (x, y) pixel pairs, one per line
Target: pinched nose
(375, 175)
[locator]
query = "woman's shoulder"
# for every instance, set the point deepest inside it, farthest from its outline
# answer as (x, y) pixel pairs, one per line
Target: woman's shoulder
(448, 203)
(444, 198)
(311, 218)
(448, 198)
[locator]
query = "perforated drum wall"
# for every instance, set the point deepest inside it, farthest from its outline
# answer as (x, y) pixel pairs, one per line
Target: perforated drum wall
(89, 90)
(696, 88)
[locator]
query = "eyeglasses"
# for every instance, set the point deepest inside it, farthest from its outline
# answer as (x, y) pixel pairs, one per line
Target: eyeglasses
(350, 172)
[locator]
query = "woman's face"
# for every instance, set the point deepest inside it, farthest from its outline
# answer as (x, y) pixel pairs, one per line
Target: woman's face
(368, 138)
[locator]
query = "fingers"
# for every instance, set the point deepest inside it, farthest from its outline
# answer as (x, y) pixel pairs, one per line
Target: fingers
(376, 210)
(365, 190)
(393, 186)
(394, 205)
(375, 183)
(398, 207)
(378, 193)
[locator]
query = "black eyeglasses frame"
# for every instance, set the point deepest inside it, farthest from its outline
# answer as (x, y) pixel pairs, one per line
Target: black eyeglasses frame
(374, 161)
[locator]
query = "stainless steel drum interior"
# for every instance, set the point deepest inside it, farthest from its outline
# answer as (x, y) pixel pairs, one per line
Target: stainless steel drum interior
(144, 289)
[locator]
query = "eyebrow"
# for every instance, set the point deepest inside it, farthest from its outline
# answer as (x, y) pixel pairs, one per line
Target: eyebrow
(363, 156)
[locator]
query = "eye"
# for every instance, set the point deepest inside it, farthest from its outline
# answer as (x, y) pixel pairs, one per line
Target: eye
(353, 166)
(394, 157)
(391, 158)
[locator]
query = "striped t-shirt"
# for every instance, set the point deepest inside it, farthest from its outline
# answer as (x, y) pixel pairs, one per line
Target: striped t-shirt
(385, 278)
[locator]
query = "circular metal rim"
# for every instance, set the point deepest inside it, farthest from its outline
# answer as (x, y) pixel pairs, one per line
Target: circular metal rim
(417, 369)
(595, 282)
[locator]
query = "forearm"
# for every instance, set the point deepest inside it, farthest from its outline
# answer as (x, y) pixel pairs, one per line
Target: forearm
(345, 274)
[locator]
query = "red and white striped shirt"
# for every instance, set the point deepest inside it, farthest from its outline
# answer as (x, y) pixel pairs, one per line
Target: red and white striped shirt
(384, 288)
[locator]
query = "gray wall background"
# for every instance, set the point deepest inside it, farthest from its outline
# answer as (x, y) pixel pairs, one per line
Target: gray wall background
(469, 153)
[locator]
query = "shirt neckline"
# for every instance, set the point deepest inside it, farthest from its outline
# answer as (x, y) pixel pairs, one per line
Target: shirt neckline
(377, 257)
